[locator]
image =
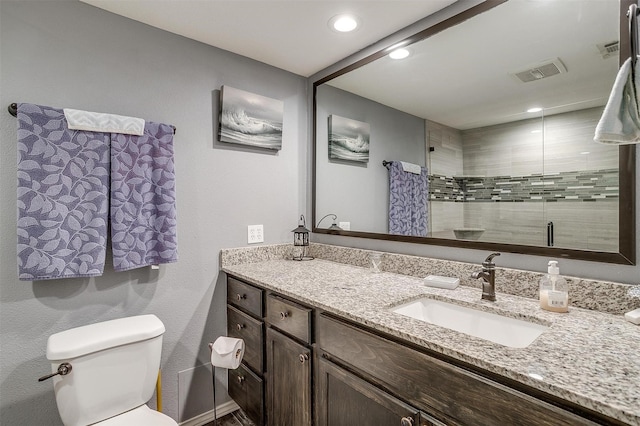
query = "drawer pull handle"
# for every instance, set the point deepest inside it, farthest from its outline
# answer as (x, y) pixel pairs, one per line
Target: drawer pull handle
(240, 326)
(406, 421)
(303, 358)
(241, 296)
(240, 379)
(284, 315)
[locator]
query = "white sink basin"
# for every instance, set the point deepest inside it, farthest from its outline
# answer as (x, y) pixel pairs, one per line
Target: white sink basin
(496, 328)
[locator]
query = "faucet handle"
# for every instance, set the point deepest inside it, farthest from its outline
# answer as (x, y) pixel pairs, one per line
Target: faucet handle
(488, 262)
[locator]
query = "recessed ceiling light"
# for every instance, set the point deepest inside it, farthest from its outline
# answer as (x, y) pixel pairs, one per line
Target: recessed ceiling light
(536, 109)
(399, 53)
(343, 23)
(585, 153)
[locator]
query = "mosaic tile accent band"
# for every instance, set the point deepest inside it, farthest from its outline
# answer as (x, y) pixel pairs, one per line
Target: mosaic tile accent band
(565, 186)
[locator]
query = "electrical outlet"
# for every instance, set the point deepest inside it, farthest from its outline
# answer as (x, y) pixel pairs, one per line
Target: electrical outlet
(255, 234)
(346, 226)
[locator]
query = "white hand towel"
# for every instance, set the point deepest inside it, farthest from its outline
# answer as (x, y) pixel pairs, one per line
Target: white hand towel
(411, 168)
(620, 121)
(102, 122)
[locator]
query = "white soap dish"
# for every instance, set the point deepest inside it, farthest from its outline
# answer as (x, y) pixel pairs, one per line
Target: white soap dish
(633, 316)
(441, 282)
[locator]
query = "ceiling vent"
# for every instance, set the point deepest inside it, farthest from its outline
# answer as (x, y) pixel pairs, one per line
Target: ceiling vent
(608, 50)
(540, 71)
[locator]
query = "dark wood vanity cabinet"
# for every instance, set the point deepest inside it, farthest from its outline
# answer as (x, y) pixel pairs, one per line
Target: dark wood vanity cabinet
(320, 369)
(273, 385)
(449, 393)
(245, 307)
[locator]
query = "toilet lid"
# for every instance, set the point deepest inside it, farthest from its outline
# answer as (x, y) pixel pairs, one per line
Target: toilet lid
(141, 416)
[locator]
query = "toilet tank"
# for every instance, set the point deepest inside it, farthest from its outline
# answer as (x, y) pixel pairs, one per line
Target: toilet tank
(114, 367)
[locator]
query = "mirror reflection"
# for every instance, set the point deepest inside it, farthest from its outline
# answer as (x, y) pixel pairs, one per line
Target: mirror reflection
(485, 130)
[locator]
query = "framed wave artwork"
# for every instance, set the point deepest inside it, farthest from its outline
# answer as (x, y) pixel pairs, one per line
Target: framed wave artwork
(250, 119)
(348, 139)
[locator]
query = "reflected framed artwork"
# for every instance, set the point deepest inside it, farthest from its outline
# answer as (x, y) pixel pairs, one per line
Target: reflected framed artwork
(348, 139)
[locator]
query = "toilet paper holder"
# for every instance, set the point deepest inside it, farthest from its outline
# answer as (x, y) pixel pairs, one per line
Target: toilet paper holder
(238, 353)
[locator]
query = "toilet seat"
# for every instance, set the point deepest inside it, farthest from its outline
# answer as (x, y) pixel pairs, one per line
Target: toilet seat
(141, 416)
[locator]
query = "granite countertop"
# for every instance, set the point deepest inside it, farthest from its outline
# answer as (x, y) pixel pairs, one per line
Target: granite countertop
(586, 357)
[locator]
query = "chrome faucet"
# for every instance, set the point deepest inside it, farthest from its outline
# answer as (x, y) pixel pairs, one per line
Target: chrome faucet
(488, 275)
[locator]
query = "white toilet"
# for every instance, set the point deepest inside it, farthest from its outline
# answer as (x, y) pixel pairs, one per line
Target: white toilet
(114, 368)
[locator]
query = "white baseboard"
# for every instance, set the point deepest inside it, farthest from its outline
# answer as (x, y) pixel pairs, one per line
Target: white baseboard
(204, 418)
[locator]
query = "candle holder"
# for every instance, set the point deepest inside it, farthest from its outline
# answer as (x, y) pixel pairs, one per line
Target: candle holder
(301, 239)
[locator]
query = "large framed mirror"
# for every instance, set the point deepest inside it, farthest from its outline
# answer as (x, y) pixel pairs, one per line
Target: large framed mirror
(490, 120)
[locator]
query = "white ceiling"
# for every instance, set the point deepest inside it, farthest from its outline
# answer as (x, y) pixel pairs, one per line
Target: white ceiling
(289, 34)
(462, 78)
(467, 67)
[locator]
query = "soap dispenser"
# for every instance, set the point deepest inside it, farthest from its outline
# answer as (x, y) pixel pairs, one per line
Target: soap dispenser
(554, 294)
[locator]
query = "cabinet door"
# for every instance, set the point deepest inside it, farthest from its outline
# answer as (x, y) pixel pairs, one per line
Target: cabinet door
(344, 399)
(288, 381)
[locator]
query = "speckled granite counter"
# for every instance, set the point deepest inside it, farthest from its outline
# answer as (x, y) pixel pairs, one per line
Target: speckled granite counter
(588, 357)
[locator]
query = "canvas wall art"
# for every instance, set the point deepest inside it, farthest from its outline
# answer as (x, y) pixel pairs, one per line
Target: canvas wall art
(250, 119)
(348, 139)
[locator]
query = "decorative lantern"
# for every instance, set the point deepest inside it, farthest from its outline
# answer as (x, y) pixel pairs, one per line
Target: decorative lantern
(301, 239)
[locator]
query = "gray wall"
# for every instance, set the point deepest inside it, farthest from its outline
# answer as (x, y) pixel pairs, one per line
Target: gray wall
(69, 54)
(348, 188)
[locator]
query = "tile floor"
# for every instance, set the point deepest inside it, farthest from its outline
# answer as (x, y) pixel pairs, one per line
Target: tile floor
(237, 418)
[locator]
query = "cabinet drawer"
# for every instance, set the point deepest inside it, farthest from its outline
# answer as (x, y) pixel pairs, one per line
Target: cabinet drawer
(289, 317)
(247, 390)
(242, 326)
(433, 384)
(245, 296)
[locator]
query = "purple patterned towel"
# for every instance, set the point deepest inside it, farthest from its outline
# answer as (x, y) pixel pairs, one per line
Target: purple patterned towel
(143, 209)
(63, 180)
(408, 194)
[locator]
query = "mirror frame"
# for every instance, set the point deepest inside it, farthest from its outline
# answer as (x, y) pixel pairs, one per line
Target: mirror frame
(627, 166)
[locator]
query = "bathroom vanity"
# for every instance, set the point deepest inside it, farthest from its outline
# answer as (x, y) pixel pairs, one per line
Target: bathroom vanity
(324, 347)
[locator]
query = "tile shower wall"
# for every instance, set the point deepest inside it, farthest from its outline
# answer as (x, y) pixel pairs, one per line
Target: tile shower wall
(508, 173)
(445, 160)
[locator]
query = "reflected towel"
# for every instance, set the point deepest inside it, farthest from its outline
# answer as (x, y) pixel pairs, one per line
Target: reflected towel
(143, 209)
(101, 122)
(620, 121)
(408, 194)
(63, 180)
(411, 168)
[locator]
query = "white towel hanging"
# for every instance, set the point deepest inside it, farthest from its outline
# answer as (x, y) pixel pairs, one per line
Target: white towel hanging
(101, 122)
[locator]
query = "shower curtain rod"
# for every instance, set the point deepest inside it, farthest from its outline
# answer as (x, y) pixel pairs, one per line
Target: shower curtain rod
(13, 110)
